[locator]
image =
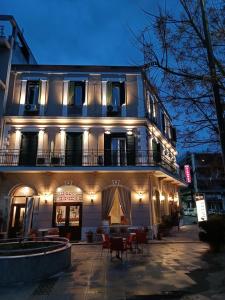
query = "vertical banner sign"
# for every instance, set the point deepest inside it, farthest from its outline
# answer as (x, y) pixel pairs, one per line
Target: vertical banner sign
(187, 172)
(201, 207)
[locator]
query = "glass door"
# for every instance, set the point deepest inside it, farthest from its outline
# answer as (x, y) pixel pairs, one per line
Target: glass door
(118, 147)
(68, 218)
(17, 217)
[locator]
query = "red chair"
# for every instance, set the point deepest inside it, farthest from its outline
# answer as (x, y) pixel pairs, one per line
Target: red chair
(105, 242)
(131, 239)
(119, 245)
(141, 239)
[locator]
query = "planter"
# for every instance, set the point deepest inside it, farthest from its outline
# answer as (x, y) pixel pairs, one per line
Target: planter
(89, 236)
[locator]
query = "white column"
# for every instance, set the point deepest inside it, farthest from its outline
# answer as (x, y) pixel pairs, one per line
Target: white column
(84, 108)
(141, 98)
(22, 97)
(65, 97)
(17, 146)
(104, 95)
(62, 144)
(40, 141)
(85, 148)
(43, 96)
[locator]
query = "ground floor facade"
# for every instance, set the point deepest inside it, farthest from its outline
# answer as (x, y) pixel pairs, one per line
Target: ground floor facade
(79, 202)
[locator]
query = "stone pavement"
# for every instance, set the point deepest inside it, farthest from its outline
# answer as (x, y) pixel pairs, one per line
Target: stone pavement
(166, 270)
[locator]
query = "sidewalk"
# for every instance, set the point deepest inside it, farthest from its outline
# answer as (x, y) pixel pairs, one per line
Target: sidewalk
(186, 234)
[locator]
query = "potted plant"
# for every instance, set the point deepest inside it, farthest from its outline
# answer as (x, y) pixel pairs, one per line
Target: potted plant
(213, 232)
(165, 226)
(89, 236)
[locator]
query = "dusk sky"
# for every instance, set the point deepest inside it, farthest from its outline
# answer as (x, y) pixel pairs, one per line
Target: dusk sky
(90, 32)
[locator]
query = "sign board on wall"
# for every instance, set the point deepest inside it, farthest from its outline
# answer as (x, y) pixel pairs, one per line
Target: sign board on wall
(187, 172)
(201, 207)
(68, 193)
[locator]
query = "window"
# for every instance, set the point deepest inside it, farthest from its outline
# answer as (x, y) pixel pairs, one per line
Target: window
(148, 103)
(154, 108)
(76, 93)
(118, 147)
(33, 92)
(115, 96)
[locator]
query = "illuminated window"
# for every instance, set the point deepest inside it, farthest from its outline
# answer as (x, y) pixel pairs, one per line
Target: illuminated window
(76, 93)
(33, 92)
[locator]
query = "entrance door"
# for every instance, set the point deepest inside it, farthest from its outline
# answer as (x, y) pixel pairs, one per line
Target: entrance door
(28, 149)
(16, 224)
(68, 218)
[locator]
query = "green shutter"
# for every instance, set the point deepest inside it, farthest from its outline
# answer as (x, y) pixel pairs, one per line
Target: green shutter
(40, 88)
(122, 93)
(109, 93)
(130, 150)
(83, 91)
(107, 149)
(71, 93)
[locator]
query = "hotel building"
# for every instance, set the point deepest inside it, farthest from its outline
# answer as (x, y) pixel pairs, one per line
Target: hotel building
(81, 145)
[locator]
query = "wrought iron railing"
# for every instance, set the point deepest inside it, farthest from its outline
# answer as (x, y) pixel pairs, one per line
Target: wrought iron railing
(92, 158)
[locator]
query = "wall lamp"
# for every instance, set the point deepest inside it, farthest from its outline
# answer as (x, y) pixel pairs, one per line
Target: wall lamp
(140, 197)
(162, 197)
(92, 197)
(47, 197)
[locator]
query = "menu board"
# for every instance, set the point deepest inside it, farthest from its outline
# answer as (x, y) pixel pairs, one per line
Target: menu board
(60, 215)
(201, 207)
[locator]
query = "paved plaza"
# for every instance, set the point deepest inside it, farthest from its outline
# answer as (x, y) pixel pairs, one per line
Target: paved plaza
(170, 269)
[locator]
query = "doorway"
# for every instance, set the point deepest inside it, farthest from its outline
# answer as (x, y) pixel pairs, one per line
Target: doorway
(18, 210)
(67, 211)
(67, 217)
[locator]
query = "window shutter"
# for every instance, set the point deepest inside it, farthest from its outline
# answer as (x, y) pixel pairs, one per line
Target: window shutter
(71, 93)
(109, 93)
(83, 91)
(156, 148)
(28, 148)
(107, 149)
(74, 148)
(163, 123)
(159, 148)
(173, 134)
(130, 150)
(122, 93)
(39, 91)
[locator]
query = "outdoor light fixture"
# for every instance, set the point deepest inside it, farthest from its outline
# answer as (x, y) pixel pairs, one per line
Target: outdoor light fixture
(46, 198)
(162, 198)
(107, 132)
(92, 197)
(129, 132)
(140, 196)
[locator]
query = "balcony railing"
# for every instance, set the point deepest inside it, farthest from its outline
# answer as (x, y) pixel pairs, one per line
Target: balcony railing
(94, 158)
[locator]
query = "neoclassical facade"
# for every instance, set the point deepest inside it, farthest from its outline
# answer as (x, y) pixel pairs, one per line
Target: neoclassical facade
(82, 146)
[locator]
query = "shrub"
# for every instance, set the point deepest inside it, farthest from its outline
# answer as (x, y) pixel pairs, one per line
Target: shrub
(213, 232)
(165, 226)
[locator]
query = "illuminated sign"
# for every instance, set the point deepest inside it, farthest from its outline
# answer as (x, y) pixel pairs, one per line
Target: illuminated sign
(187, 172)
(68, 197)
(201, 207)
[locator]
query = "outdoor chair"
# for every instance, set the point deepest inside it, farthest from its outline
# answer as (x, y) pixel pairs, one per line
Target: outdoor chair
(141, 239)
(119, 245)
(105, 242)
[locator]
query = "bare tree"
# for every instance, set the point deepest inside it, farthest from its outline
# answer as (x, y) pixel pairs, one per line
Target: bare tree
(175, 46)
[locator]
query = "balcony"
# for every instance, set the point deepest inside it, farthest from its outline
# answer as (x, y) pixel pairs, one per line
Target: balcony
(94, 158)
